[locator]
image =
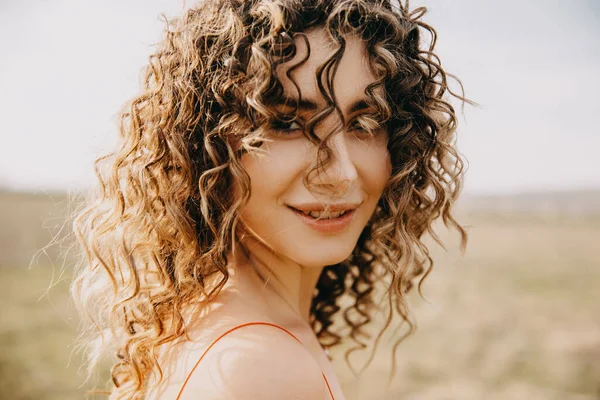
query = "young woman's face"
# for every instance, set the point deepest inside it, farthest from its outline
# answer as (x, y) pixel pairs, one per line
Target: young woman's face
(353, 180)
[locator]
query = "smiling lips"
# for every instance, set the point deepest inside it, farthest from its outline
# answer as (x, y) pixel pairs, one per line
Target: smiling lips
(321, 207)
(331, 219)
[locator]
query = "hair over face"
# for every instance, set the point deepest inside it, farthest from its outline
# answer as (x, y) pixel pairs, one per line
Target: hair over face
(157, 233)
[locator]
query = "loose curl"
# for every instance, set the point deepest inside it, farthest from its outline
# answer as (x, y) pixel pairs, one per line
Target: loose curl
(156, 235)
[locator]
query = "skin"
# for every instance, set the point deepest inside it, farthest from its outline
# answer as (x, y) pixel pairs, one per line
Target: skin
(278, 259)
(357, 174)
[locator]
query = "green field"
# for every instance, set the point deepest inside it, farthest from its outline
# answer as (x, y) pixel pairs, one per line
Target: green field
(516, 317)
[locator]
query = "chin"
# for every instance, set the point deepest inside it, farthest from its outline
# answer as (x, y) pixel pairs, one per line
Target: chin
(323, 257)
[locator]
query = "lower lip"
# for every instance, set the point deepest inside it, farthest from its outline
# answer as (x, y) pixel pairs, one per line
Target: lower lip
(331, 225)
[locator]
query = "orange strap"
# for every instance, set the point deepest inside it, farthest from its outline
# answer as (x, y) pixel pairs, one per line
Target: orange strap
(236, 328)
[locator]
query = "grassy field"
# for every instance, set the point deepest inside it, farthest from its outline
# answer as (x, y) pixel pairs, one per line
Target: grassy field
(516, 317)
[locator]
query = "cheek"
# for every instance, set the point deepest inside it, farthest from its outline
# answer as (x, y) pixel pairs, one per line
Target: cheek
(272, 175)
(274, 171)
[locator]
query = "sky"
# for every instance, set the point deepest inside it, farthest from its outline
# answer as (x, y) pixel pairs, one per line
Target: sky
(68, 66)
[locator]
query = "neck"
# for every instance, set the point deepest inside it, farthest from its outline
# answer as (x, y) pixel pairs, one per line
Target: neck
(292, 282)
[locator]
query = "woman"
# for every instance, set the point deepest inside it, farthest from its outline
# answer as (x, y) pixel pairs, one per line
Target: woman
(281, 165)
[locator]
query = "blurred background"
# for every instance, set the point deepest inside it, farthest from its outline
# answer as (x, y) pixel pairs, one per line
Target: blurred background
(515, 317)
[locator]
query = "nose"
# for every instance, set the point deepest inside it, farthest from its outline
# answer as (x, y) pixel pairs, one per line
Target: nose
(339, 173)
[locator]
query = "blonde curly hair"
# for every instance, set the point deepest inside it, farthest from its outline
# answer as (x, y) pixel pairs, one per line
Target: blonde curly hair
(156, 235)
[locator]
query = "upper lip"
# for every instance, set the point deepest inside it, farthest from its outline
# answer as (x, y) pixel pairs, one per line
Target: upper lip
(323, 206)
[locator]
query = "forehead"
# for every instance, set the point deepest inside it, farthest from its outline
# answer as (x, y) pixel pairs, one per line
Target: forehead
(352, 77)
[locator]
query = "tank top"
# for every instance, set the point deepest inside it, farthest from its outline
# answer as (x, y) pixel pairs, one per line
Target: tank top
(234, 329)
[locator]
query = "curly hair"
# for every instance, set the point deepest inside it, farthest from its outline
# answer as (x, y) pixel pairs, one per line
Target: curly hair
(156, 234)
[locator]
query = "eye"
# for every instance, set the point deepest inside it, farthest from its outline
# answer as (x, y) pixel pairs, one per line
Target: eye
(365, 124)
(286, 126)
(355, 125)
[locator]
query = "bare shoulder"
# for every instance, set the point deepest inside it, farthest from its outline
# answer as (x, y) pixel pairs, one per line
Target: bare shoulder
(256, 361)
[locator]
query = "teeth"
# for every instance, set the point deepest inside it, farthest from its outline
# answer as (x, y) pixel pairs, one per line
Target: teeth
(325, 214)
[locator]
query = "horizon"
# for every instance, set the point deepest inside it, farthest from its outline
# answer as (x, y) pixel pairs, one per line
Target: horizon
(595, 191)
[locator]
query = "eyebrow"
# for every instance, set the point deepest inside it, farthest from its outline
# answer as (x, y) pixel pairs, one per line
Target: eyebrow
(311, 105)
